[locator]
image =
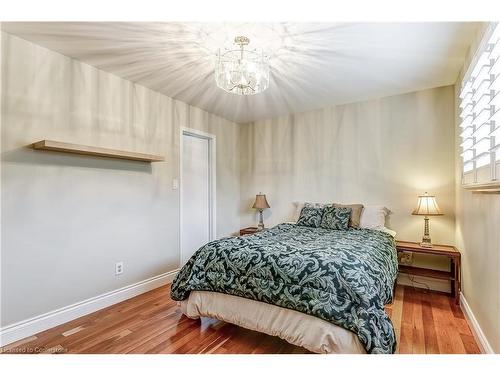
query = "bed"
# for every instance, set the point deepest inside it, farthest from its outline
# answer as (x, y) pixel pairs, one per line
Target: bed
(318, 288)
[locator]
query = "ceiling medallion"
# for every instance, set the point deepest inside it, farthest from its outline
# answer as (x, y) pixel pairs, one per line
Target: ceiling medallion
(242, 71)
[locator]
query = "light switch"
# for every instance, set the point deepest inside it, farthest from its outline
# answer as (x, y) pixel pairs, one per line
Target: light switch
(175, 184)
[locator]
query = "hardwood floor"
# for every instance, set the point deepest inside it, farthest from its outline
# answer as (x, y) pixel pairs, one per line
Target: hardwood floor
(425, 322)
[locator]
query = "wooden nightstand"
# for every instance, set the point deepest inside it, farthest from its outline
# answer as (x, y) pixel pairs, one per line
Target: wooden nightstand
(248, 230)
(443, 250)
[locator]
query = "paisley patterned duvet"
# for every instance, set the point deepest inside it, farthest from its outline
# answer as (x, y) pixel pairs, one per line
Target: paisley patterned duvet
(342, 276)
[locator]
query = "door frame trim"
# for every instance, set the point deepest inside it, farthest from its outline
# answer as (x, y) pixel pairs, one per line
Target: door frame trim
(211, 183)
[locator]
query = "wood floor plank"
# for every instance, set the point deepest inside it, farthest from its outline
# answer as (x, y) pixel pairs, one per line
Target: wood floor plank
(406, 338)
(430, 336)
(470, 344)
(151, 328)
(408, 302)
(208, 337)
(73, 331)
(449, 340)
(424, 322)
(160, 341)
(418, 346)
(216, 347)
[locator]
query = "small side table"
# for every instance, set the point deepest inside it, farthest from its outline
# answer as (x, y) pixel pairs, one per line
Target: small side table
(443, 250)
(248, 230)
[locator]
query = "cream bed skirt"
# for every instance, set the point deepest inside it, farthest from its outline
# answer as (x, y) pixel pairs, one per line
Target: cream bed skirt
(314, 334)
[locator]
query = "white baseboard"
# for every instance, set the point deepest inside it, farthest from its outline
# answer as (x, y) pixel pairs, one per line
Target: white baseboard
(478, 333)
(31, 326)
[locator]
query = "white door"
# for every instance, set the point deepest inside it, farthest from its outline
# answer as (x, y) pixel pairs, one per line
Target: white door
(195, 194)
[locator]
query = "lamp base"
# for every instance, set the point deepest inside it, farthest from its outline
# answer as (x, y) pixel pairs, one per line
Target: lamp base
(260, 226)
(426, 239)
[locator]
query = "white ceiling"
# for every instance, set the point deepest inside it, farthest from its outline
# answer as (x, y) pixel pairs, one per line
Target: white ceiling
(312, 65)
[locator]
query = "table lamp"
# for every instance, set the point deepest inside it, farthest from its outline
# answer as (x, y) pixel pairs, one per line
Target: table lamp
(426, 206)
(260, 204)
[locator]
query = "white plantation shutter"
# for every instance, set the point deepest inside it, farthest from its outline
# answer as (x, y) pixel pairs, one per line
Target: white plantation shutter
(480, 113)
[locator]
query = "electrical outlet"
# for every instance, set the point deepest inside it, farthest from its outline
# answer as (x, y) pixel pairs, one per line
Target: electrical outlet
(118, 268)
(405, 258)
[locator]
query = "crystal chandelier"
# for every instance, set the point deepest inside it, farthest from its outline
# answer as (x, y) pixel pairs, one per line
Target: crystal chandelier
(242, 71)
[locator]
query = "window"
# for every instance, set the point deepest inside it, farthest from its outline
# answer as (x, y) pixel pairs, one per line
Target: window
(480, 113)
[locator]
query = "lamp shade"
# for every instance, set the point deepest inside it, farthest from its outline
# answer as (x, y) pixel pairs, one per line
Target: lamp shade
(260, 202)
(426, 205)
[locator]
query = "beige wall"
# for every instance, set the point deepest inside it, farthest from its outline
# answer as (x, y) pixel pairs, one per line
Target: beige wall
(384, 151)
(478, 237)
(67, 219)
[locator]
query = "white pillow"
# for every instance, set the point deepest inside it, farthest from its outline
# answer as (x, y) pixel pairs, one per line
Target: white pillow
(373, 217)
(298, 207)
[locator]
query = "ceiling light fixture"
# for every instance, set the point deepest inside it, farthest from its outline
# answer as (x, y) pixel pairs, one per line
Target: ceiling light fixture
(242, 71)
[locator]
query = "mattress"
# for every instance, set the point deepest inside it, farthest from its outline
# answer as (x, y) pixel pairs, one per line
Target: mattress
(314, 334)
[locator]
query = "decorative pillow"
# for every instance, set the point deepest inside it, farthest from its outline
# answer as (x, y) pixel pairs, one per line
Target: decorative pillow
(373, 217)
(355, 214)
(336, 218)
(310, 217)
(300, 205)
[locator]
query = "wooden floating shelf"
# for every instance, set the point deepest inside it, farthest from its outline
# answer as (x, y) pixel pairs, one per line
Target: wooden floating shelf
(47, 145)
(490, 187)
